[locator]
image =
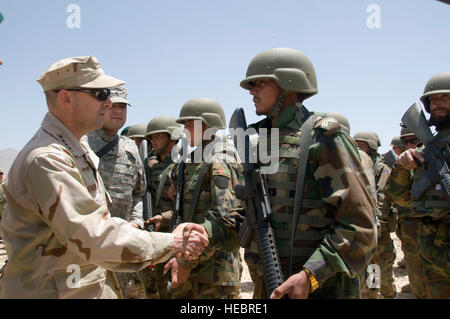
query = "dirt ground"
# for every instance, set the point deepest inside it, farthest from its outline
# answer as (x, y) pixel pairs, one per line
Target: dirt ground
(400, 275)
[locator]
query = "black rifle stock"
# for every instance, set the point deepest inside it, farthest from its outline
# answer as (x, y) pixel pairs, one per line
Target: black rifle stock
(258, 211)
(147, 212)
(436, 166)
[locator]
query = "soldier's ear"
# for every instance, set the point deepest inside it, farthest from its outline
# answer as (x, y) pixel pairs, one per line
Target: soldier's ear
(65, 98)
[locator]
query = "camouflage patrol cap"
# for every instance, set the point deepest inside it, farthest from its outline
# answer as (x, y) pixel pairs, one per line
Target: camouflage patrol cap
(397, 142)
(370, 137)
(209, 111)
(137, 130)
(119, 95)
(439, 83)
(165, 124)
(82, 72)
(290, 68)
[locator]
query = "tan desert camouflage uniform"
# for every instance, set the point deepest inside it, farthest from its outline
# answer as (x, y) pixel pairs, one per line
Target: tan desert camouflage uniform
(58, 220)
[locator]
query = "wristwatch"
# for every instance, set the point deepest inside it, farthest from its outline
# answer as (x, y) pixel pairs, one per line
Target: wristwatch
(312, 279)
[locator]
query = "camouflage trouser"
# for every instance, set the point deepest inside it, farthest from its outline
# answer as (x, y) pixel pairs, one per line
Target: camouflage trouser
(434, 239)
(252, 260)
(408, 233)
(195, 290)
(155, 282)
(131, 285)
(385, 258)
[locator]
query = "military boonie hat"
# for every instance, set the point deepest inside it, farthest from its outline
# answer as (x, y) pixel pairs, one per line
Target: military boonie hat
(119, 95)
(83, 72)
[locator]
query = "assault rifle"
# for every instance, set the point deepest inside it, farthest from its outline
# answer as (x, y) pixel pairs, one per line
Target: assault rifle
(258, 211)
(176, 217)
(436, 166)
(147, 202)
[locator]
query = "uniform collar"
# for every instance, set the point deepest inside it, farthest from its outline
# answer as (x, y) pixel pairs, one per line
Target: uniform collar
(53, 126)
(105, 136)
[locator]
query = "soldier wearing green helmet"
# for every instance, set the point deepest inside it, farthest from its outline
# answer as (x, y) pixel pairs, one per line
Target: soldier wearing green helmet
(429, 210)
(407, 230)
(137, 133)
(163, 132)
(384, 257)
(319, 262)
(205, 190)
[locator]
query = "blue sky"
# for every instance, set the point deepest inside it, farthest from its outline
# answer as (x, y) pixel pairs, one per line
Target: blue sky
(171, 51)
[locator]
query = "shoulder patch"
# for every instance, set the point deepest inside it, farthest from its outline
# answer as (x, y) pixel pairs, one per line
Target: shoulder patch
(221, 172)
(328, 125)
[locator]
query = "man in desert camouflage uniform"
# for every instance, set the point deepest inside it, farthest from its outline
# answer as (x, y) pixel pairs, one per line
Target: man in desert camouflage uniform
(60, 237)
(208, 198)
(431, 208)
(123, 174)
(385, 253)
(336, 234)
(163, 133)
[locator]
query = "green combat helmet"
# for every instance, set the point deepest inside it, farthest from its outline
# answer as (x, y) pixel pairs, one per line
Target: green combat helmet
(404, 132)
(291, 69)
(397, 142)
(345, 124)
(165, 124)
(370, 137)
(439, 83)
(209, 111)
(137, 131)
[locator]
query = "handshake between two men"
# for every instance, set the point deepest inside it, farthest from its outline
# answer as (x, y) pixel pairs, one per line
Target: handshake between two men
(189, 241)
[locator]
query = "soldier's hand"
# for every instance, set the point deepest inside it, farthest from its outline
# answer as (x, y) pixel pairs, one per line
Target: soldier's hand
(156, 220)
(296, 287)
(171, 192)
(189, 240)
(179, 273)
(410, 159)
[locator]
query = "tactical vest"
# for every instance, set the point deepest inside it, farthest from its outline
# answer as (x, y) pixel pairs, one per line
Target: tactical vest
(159, 174)
(119, 171)
(314, 218)
(433, 202)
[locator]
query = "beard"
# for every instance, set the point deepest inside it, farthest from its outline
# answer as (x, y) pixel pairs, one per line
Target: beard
(439, 121)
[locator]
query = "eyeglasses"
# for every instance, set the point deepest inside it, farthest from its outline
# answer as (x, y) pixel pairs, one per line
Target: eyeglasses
(100, 94)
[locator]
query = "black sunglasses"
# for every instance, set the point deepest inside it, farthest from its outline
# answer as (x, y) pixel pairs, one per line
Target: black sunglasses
(410, 140)
(100, 94)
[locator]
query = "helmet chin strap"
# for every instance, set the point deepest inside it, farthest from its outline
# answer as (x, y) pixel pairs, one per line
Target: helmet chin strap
(275, 112)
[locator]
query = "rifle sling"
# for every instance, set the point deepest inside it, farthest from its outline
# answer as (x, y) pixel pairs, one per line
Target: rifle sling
(198, 186)
(305, 142)
(162, 182)
(105, 149)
